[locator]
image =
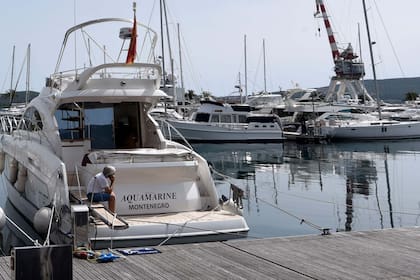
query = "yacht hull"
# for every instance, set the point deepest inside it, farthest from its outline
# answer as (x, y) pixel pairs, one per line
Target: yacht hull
(196, 132)
(372, 131)
(185, 227)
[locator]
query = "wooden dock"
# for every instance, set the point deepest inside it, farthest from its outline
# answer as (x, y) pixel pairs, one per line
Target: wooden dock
(381, 254)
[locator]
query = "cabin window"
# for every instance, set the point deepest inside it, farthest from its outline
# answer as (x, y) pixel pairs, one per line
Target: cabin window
(202, 117)
(242, 119)
(214, 118)
(106, 125)
(31, 120)
(70, 121)
(225, 118)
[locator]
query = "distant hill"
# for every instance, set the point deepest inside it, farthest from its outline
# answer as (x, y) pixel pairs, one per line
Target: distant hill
(394, 90)
(391, 90)
(18, 98)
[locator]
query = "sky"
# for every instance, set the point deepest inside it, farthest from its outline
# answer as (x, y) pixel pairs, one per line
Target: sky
(297, 52)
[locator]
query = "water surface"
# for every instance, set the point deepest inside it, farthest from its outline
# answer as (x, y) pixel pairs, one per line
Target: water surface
(296, 189)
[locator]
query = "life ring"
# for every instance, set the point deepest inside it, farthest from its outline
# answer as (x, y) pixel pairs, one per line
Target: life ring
(21, 178)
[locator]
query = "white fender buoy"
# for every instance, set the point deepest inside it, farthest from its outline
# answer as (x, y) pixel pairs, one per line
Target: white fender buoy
(2, 156)
(2, 218)
(21, 178)
(42, 220)
(13, 168)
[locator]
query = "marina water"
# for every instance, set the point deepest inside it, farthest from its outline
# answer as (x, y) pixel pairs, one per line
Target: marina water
(298, 189)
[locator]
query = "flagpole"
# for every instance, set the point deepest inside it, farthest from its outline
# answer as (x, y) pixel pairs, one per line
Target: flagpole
(131, 55)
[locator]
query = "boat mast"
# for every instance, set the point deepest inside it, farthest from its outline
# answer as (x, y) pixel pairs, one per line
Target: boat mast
(372, 60)
(162, 43)
(180, 58)
(265, 74)
(13, 68)
(239, 86)
(28, 70)
(246, 72)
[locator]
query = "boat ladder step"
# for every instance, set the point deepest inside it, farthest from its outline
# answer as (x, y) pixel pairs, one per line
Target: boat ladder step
(105, 215)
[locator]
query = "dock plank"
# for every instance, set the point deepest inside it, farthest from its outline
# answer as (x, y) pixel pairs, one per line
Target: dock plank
(380, 254)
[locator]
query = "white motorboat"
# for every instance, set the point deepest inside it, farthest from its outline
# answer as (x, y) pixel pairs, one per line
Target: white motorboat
(91, 115)
(221, 122)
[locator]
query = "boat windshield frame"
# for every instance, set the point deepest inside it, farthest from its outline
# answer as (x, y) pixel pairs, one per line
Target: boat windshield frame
(99, 21)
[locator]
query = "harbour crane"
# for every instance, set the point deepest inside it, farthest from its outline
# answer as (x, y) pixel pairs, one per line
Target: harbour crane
(348, 70)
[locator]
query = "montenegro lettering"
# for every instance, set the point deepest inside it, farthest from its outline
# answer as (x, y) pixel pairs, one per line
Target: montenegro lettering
(145, 201)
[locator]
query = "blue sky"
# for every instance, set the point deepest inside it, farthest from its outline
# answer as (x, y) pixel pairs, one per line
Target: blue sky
(213, 38)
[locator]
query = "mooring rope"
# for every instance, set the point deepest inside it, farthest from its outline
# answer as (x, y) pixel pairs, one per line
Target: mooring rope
(302, 220)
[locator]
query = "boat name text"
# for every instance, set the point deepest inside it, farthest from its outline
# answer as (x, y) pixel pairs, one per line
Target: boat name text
(138, 197)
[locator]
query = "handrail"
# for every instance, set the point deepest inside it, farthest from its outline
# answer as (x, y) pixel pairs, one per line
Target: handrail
(178, 133)
(9, 123)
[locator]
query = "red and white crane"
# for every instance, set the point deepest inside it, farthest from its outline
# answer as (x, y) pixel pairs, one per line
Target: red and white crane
(344, 62)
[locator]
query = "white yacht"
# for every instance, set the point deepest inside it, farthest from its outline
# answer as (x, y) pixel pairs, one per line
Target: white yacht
(220, 122)
(346, 125)
(93, 114)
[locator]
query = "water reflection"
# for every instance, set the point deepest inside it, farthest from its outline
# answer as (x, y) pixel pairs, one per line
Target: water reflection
(239, 160)
(342, 186)
(242, 162)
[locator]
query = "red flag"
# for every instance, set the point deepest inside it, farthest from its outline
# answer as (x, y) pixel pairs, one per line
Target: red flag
(131, 55)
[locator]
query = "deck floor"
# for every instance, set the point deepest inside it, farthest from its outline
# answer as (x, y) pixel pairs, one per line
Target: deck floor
(381, 254)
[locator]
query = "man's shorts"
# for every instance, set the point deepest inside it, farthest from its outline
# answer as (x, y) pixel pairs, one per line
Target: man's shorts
(98, 197)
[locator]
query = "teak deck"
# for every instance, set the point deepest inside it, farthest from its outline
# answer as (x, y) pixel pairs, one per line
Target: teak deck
(381, 254)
